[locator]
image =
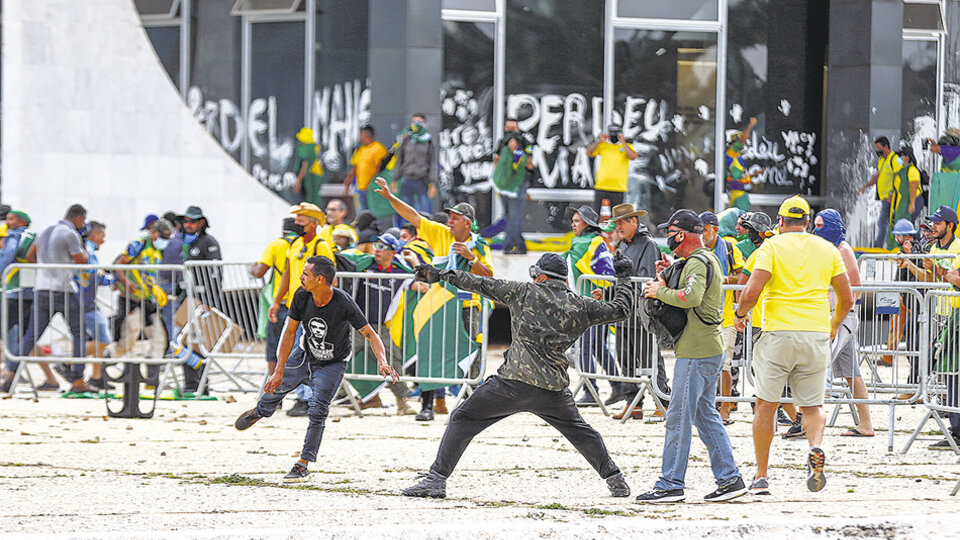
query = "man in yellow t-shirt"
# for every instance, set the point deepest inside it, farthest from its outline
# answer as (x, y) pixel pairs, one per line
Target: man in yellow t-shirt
(615, 158)
(456, 246)
(366, 162)
(336, 213)
(274, 258)
(888, 165)
(795, 270)
(308, 244)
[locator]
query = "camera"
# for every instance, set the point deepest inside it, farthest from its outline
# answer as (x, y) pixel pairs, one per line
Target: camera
(925, 144)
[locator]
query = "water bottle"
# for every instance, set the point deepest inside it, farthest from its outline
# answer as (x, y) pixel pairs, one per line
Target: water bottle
(189, 357)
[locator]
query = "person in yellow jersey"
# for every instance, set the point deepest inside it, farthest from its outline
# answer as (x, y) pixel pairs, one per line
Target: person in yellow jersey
(456, 246)
(336, 213)
(366, 162)
(907, 192)
(615, 155)
(795, 270)
(274, 258)
(888, 166)
(308, 244)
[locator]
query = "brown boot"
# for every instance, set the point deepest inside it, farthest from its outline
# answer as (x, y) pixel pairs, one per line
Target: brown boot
(79, 387)
(374, 403)
(440, 406)
(637, 414)
(403, 409)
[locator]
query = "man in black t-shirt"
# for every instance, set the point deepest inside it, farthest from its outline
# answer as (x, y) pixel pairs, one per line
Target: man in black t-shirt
(321, 355)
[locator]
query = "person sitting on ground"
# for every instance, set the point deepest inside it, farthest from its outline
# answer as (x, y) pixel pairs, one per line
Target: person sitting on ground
(546, 319)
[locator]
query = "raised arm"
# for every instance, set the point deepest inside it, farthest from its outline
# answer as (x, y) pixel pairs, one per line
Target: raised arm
(617, 309)
(498, 290)
(406, 211)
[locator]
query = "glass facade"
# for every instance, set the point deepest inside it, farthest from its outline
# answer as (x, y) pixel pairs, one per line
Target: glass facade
(544, 63)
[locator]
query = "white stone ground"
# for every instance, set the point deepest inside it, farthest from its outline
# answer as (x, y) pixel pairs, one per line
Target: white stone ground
(67, 470)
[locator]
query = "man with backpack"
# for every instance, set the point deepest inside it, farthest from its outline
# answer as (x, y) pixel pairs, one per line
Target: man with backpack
(699, 352)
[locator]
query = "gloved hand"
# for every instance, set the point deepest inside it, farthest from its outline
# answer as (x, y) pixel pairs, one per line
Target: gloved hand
(159, 295)
(427, 273)
(622, 266)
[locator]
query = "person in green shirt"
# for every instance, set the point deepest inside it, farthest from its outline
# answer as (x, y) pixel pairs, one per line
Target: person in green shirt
(696, 372)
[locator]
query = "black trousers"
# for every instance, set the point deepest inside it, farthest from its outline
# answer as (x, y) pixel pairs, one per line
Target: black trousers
(499, 398)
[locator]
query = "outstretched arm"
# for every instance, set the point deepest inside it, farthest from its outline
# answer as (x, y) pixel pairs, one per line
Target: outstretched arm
(380, 352)
(498, 290)
(615, 310)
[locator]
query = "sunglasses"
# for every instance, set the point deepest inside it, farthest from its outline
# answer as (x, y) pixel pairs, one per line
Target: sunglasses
(301, 254)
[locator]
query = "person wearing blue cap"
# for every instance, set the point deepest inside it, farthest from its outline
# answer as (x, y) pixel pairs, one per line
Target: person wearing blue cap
(943, 321)
(375, 296)
(943, 223)
(546, 318)
(148, 220)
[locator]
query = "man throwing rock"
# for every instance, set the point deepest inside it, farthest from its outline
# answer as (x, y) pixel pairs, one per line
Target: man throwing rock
(547, 317)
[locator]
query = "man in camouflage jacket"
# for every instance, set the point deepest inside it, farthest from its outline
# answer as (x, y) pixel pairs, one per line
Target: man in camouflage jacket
(547, 319)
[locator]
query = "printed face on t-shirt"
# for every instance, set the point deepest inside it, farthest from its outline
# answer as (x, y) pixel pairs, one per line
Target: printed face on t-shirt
(316, 340)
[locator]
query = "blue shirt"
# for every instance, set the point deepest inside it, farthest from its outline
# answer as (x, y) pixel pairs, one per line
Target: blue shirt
(9, 253)
(87, 280)
(722, 253)
(173, 254)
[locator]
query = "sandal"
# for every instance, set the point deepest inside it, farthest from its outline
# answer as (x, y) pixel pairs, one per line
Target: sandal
(854, 432)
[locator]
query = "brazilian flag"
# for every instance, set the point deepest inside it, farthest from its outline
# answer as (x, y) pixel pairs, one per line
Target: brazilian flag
(444, 349)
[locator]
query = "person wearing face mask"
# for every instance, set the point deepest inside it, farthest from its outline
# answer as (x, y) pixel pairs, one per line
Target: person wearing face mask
(416, 165)
(888, 166)
(140, 294)
(845, 360)
(738, 181)
(699, 359)
(274, 258)
(99, 336)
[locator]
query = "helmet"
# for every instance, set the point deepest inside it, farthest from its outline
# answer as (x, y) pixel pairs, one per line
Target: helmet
(757, 221)
(904, 227)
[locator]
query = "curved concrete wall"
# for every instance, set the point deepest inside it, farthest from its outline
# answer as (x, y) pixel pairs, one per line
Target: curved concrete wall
(90, 116)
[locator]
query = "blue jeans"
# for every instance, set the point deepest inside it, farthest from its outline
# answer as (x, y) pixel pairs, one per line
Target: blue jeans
(324, 380)
(594, 345)
(882, 224)
(361, 200)
(414, 192)
(692, 402)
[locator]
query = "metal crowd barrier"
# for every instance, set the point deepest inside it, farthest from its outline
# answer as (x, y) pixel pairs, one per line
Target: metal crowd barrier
(886, 267)
(433, 336)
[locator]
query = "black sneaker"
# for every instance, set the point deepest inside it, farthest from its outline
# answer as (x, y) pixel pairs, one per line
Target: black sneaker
(944, 444)
(587, 400)
(727, 492)
(783, 419)
(98, 384)
(661, 496)
(617, 485)
(432, 485)
(760, 486)
(796, 431)
(298, 473)
(617, 397)
(299, 409)
(425, 415)
(815, 477)
(247, 419)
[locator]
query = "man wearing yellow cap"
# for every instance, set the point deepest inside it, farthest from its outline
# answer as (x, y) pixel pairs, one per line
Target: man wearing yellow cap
(308, 244)
(795, 271)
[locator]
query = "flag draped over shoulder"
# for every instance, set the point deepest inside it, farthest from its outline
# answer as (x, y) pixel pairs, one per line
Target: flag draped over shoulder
(444, 349)
(510, 171)
(589, 255)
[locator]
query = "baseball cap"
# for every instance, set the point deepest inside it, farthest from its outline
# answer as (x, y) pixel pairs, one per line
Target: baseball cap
(464, 209)
(147, 221)
(795, 207)
(162, 226)
(685, 220)
(944, 213)
(551, 264)
(709, 218)
(22, 215)
(390, 241)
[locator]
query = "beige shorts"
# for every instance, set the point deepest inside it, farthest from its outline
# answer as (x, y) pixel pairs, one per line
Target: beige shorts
(800, 358)
(729, 336)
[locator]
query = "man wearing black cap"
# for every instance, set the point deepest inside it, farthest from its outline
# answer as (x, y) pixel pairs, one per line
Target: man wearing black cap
(547, 317)
(198, 245)
(699, 352)
(456, 246)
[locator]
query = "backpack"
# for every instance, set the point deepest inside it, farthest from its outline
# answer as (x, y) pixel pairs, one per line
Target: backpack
(667, 322)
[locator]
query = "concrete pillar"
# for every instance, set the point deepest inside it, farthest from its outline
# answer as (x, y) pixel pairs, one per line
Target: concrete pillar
(405, 64)
(863, 88)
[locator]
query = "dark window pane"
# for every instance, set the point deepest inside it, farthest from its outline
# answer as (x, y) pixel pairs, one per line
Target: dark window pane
(922, 17)
(276, 100)
(554, 86)
(466, 103)
(341, 101)
(918, 109)
(775, 58)
(166, 43)
(665, 99)
(700, 10)
(255, 7)
(156, 7)
(214, 94)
